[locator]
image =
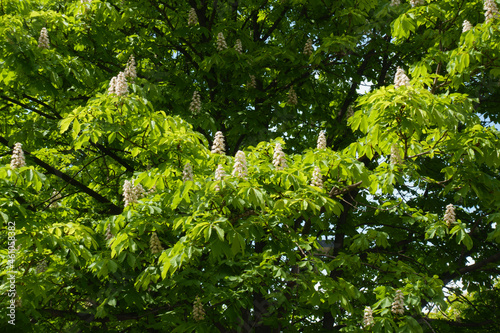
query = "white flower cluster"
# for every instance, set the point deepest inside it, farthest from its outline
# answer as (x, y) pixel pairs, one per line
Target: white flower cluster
(219, 175)
(221, 42)
(252, 83)
(415, 3)
(195, 105)
(490, 10)
(17, 160)
(321, 144)
(192, 17)
(130, 70)
(155, 244)
(466, 26)
(240, 165)
(395, 2)
(218, 147)
(43, 40)
(395, 156)
(132, 193)
(118, 85)
(41, 266)
(308, 48)
(109, 234)
(198, 311)
(317, 178)
(368, 317)
(86, 2)
(187, 173)
(56, 195)
(238, 46)
(401, 79)
(398, 306)
(279, 160)
(292, 97)
(449, 215)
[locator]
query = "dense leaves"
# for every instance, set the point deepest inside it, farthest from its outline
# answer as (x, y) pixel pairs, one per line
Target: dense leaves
(114, 233)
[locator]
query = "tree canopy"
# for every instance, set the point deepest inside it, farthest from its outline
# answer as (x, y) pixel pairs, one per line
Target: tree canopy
(250, 166)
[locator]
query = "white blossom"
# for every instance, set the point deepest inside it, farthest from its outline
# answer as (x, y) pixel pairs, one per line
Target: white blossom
(112, 85)
(218, 146)
(238, 47)
(195, 105)
(109, 234)
(395, 155)
(401, 79)
(398, 306)
(192, 18)
(490, 10)
(317, 178)
(321, 144)
(240, 165)
(292, 97)
(43, 40)
(121, 88)
(449, 215)
(130, 69)
(17, 160)
(395, 2)
(466, 26)
(308, 47)
(220, 173)
(187, 173)
(155, 244)
(221, 42)
(415, 3)
(279, 160)
(198, 312)
(368, 317)
(132, 193)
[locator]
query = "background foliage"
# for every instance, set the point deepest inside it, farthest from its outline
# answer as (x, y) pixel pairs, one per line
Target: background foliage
(269, 252)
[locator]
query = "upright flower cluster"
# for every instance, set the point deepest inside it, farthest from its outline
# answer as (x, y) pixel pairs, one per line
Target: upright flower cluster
(466, 26)
(195, 105)
(155, 244)
(43, 40)
(317, 178)
(398, 306)
(395, 2)
(118, 85)
(308, 48)
(279, 160)
(221, 42)
(368, 317)
(218, 146)
(192, 17)
(415, 3)
(132, 193)
(449, 215)
(321, 144)
(253, 82)
(401, 79)
(292, 97)
(395, 156)
(198, 311)
(219, 175)
(187, 173)
(240, 165)
(238, 46)
(130, 71)
(109, 234)
(490, 10)
(17, 160)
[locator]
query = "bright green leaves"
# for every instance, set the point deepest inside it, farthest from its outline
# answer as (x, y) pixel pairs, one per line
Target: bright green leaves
(404, 25)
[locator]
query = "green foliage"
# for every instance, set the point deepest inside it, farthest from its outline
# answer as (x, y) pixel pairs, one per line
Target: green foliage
(270, 251)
